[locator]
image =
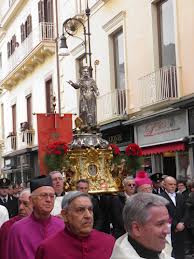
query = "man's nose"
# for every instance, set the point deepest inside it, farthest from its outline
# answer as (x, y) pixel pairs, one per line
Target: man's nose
(21, 206)
(167, 229)
(88, 213)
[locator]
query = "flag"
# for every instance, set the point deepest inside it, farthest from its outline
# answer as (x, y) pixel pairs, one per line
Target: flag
(52, 127)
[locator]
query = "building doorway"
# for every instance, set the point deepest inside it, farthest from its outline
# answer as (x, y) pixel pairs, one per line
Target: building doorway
(169, 164)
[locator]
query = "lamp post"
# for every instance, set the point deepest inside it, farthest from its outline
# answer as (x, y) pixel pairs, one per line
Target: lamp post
(70, 26)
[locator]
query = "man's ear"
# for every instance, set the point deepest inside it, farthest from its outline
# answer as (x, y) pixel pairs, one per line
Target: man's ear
(135, 229)
(64, 213)
(31, 199)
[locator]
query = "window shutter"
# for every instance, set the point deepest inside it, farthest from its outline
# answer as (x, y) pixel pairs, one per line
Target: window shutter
(29, 24)
(49, 10)
(22, 32)
(8, 49)
(13, 43)
(41, 11)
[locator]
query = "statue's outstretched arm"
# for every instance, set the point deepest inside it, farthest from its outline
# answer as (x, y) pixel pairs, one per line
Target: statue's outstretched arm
(75, 85)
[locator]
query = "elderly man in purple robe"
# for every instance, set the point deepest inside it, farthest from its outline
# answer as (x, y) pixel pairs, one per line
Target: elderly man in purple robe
(26, 235)
(24, 210)
(78, 239)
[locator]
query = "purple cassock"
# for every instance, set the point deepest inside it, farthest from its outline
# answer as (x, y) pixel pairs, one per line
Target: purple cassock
(26, 235)
(4, 232)
(65, 245)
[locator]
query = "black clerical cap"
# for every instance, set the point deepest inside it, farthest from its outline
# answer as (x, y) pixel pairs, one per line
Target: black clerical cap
(156, 178)
(40, 181)
(4, 182)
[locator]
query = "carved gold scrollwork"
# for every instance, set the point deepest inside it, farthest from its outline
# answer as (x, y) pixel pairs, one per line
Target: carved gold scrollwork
(93, 164)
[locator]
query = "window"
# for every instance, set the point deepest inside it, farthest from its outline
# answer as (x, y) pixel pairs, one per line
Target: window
(2, 122)
(119, 60)
(14, 119)
(45, 10)
(26, 28)
(166, 33)
(10, 2)
(166, 47)
(0, 60)
(11, 45)
(29, 110)
(81, 5)
(49, 96)
(81, 63)
(119, 69)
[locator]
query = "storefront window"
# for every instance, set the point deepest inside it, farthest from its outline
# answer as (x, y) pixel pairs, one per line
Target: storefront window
(183, 164)
(148, 165)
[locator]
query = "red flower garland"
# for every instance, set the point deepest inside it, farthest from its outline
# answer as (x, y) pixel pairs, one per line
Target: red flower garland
(115, 149)
(133, 150)
(57, 148)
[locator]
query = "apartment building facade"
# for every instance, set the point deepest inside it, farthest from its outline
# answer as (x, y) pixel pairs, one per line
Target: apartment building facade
(27, 80)
(141, 58)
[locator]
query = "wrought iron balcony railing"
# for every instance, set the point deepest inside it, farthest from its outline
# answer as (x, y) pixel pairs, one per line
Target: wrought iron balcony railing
(159, 86)
(19, 141)
(43, 33)
(112, 105)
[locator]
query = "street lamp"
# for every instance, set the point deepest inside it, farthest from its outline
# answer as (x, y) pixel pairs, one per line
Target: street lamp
(70, 26)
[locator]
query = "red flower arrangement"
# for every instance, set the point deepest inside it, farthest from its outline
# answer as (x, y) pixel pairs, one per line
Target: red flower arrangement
(133, 150)
(55, 153)
(130, 161)
(57, 148)
(115, 149)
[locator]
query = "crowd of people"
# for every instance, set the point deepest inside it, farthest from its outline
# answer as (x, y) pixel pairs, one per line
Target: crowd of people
(152, 218)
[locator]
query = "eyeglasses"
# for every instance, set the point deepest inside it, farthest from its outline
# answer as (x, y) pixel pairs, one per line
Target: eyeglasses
(44, 196)
(57, 179)
(131, 185)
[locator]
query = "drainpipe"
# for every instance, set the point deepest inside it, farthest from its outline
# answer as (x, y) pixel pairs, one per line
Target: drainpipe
(57, 59)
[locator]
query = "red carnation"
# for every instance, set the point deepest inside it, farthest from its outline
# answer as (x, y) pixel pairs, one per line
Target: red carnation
(133, 150)
(115, 149)
(57, 152)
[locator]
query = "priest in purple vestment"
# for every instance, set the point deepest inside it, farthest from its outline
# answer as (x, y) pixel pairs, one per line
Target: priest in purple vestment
(26, 235)
(24, 210)
(78, 239)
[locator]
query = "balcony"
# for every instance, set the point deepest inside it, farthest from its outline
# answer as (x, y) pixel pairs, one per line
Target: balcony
(112, 106)
(20, 141)
(159, 88)
(10, 143)
(30, 53)
(26, 139)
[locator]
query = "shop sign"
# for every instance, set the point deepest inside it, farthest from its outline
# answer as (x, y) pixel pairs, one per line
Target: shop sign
(165, 128)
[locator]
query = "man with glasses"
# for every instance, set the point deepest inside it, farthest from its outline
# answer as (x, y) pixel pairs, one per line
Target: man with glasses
(117, 205)
(78, 239)
(26, 235)
(58, 185)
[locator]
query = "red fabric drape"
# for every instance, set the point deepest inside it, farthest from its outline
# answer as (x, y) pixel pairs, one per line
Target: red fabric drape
(52, 127)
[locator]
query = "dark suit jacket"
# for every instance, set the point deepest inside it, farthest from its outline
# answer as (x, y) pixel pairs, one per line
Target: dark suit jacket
(116, 210)
(11, 205)
(155, 191)
(98, 215)
(177, 213)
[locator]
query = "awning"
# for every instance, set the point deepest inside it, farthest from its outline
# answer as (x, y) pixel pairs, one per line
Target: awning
(171, 147)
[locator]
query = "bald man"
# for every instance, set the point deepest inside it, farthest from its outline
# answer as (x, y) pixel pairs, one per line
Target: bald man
(176, 210)
(24, 210)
